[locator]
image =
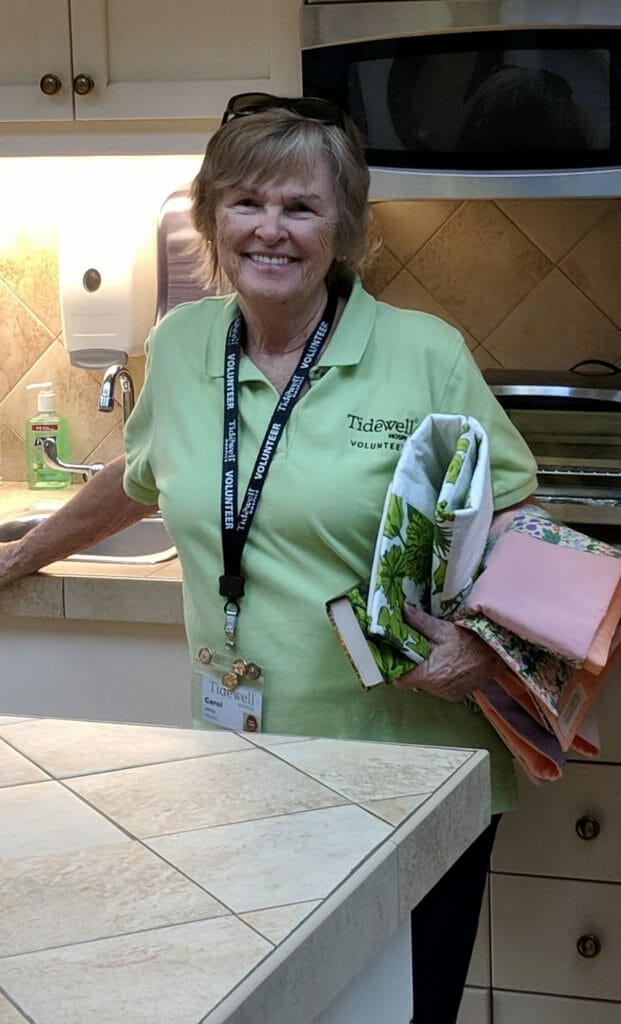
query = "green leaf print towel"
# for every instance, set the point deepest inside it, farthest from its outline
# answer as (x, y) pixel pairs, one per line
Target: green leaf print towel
(434, 527)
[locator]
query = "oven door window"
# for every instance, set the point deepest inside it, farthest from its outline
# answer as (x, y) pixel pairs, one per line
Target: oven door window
(523, 99)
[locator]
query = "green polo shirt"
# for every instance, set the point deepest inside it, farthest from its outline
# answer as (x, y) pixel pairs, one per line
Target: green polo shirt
(315, 527)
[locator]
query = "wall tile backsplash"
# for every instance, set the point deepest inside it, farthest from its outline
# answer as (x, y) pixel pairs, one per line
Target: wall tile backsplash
(31, 350)
(530, 283)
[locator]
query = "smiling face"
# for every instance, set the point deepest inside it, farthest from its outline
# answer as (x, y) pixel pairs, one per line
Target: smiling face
(276, 240)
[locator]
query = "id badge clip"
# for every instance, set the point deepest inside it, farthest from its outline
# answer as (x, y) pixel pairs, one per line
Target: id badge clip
(227, 692)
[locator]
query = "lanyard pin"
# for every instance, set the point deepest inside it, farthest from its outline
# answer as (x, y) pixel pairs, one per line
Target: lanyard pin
(205, 655)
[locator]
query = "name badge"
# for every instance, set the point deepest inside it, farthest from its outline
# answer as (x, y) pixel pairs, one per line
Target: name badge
(227, 692)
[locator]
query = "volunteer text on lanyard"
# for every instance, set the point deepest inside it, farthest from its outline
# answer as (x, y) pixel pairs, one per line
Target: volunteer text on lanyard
(236, 526)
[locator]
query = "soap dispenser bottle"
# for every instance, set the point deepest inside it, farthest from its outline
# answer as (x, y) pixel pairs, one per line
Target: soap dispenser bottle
(47, 423)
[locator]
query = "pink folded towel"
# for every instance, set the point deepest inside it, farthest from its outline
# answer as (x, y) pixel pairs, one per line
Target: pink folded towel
(555, 596)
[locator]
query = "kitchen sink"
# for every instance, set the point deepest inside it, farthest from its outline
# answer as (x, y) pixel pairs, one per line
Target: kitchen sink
(143, 543)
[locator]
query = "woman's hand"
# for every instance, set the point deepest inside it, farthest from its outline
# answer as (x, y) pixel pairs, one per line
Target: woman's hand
(8, 554)
(98, 509)
(459, 662)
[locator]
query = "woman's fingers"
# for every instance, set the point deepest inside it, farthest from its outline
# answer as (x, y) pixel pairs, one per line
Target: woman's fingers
(434, 629)
(459, 661)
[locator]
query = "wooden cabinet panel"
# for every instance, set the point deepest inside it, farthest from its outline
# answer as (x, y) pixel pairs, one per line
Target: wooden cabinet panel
(34, 41)
(144, 60)
(521, 1008)
(536, 921)
(542, 838)
(536, 925)
(156, 61)
(120, 671)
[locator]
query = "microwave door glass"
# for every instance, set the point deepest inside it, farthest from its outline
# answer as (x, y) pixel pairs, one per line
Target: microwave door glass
(487, 100)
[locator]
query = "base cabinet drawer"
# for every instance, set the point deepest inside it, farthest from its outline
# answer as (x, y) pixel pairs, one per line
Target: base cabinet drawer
(475, 1007)
(566, 830)
(522, 1008)
(556, 937)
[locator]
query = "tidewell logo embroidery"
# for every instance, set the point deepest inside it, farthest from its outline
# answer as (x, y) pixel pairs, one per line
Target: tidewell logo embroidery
(394, 431)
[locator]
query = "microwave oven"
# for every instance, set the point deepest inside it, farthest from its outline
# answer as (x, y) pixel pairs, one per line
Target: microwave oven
(475, 98)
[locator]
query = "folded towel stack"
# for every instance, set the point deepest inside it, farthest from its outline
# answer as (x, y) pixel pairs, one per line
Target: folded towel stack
(546, 597)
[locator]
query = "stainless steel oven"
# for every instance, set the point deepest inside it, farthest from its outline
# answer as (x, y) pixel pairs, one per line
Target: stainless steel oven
(572, 423)
(475, 98)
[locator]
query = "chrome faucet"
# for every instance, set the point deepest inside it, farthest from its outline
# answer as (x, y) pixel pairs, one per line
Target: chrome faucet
(106, 395)
(53, 460)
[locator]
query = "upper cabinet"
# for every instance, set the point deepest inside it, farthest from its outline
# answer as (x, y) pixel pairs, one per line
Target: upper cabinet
(35, 44)
(88, 60)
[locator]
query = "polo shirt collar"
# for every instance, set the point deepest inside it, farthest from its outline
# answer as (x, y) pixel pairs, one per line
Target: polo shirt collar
(345, 349)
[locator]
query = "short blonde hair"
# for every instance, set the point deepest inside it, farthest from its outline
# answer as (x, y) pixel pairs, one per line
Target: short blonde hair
(271, 145)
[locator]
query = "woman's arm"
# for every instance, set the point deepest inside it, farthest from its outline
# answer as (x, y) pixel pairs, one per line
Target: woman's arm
(99, 509)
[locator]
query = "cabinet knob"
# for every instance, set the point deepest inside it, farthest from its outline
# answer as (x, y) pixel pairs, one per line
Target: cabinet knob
(50, 85)
(91, 279)
(588, 946)
(83, 84)
(588, 827)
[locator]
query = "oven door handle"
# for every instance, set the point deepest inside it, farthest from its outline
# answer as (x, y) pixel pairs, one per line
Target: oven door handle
(612, 367)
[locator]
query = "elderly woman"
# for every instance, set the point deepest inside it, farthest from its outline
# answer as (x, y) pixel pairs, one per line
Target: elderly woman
(267, 431)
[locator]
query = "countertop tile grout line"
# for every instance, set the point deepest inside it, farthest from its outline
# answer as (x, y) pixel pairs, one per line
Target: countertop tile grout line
(64, 777)
(27, 757)
(97, 810)
(11, 1001)
(357, 801)
(266, 817)
(126, 768)
(237, 913)
(7, 957)
(160, 835)
(205, 1018)
(25, 782)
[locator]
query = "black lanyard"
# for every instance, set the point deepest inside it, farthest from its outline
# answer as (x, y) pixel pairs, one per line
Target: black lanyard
(236, 525)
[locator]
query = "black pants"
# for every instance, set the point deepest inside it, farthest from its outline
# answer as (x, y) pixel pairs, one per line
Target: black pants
(444, 928)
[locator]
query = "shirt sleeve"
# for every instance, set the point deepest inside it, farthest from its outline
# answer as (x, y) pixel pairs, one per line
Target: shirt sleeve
(139, 479)
(513, 466)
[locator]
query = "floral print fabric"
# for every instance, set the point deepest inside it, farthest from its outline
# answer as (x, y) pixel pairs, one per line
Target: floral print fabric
(434, 527)
(546, 597)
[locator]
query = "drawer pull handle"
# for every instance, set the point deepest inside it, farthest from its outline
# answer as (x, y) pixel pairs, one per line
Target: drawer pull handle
(588, 827)
(50, 84)
(588, 946)
(83, 84)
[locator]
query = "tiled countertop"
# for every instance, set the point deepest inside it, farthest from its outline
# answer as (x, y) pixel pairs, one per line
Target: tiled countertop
(89, 590)
(159, 875)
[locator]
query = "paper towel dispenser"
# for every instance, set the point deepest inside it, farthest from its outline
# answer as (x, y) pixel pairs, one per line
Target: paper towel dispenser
(107, 287)
(179, 255)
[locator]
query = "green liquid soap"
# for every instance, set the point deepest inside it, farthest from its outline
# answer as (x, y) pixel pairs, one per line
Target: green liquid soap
(47, 423)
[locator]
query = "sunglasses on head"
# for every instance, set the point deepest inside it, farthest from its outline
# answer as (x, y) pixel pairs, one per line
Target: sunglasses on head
(246, 103)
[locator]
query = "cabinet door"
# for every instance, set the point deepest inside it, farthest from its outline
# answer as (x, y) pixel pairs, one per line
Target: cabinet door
(35, 41)
(556, 937)
(569, 829)
(517, 1007)
(166, 59)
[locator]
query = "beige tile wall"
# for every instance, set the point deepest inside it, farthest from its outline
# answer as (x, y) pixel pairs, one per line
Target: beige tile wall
(31, 350)
(531, 283)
